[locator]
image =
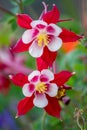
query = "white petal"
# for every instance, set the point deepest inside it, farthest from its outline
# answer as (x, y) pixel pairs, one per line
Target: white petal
(52, 90)
(28, 90)
(36, 22)
(53, 29)
(29, 35)
(40, 100)
(48, 73)
(54, 44)
(33, 74)
(35, 50)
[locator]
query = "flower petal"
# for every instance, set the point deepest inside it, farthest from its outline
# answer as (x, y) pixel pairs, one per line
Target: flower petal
(53, 108)
(52, 89)
(48, 73)
(69, 36)
(62, 77)
(54, 44)
(40, 100)
(53, 29)
(48, 56)
(29, 35)
(52, 16)
(38, 22)
(34, 74)
(28, 89)
(24, 21)
(35, 50)
(19, 79)
(20, 46)
(25, 105)
(41, 64)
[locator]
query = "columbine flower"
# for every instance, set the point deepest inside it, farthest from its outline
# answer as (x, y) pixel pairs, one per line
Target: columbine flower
(41, 90)
(42, 35)
(10, 64)
(40, 85)
(43, 38)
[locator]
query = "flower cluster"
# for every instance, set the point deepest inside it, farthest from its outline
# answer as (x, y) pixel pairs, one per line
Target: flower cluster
(43, 38)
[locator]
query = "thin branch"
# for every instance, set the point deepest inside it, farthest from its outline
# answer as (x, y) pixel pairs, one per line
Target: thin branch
(7, 11)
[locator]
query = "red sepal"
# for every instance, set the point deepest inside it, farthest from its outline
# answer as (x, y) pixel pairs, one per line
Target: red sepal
(69, 36)
(20, 46)
(24, 21)
(48, 56)
(62, 77)
(25, 105)
(53, 108)
(19, 79)
(52, 16)
(41, 64)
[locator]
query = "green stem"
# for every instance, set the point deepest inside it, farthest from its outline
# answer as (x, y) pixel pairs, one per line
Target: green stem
(6, 11)
(80, 126)
(21, 6)
(43, 120)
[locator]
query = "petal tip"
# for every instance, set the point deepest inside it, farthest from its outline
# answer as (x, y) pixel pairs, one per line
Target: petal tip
(73, 73)
(10, 76)
(16, 116)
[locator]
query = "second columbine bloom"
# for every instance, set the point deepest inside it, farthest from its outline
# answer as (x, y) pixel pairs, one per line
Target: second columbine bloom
(39, 85)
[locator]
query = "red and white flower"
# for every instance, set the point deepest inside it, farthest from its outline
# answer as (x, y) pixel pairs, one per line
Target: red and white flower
(43, 38)
(42, 89)
(39, 85)
(42, 35)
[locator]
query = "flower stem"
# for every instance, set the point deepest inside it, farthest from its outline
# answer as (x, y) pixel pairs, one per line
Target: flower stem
(43, 120)
(6, 11)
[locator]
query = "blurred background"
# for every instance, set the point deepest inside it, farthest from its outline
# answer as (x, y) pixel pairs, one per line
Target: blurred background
(73, 58)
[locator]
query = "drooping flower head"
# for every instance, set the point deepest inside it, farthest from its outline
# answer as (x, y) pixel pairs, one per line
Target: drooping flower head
(41, 89)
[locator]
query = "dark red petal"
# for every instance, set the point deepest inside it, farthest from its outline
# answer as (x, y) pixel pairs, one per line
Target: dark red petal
(20, 46)
(53, 108)
(69, 36)
(66, 87)
(24, 21)
(19, 79)
(48, 56)
(25, 105)
(52, 16)
(62, 77)
(4, 84)
(41, 64)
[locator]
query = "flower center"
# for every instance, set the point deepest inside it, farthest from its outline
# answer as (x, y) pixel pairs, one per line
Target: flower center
(61, 93)
(43, 39)
(41, 87)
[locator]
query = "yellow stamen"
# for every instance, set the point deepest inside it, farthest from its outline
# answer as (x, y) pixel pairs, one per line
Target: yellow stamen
(41, 87)
(42, 39)
(61, 93)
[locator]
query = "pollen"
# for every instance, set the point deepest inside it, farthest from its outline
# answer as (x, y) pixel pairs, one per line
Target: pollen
(61, 93)
(42, 39)
(41, 87)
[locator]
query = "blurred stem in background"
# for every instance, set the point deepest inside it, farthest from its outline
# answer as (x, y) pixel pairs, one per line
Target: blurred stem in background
(44, 120)
(84, 16)
(6, 11)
